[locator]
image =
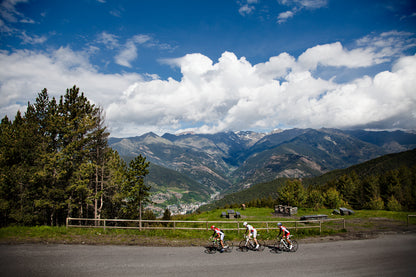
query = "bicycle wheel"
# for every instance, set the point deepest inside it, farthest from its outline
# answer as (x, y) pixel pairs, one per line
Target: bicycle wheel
(294, 246)
(262, 245)
(228, 246)
(242, 246)
(276, 247)
(210, 249)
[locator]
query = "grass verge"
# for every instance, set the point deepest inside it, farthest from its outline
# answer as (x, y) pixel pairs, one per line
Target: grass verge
(369, 222)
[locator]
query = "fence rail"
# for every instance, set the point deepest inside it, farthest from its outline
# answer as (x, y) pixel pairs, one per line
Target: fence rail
(408, 218)
(193, 225)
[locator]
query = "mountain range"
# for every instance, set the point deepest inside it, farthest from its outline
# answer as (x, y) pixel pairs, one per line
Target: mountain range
(196, 168)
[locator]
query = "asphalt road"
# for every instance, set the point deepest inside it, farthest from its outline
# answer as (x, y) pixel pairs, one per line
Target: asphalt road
(392, 255)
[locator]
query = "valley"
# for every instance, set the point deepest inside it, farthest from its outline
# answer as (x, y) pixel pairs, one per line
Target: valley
(189, 170)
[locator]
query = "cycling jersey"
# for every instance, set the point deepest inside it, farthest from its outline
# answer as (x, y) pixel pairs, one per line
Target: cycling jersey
(251, 230)
(284, 230)
(218, 233)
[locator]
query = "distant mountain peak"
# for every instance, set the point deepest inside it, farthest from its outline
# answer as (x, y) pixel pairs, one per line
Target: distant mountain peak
(150, 134)
(228, 161)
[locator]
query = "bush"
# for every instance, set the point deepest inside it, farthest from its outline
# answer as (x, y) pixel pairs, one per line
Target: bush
(393, 204)
(376, 203)
(333, 199)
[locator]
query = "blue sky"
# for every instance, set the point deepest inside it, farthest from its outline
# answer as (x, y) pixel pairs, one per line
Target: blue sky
(210, 66)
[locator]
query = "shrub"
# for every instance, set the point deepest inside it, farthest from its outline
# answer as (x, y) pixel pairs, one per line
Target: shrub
(393, 204)
(376, 203)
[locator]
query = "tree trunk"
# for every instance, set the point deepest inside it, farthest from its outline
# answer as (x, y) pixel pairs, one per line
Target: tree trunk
(140, 215)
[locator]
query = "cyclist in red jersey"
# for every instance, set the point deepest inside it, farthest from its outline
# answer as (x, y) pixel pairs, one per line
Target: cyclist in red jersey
(218, 234)
(285, 233)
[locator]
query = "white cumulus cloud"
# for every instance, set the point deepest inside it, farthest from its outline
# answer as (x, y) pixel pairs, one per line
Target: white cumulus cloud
(230, 93)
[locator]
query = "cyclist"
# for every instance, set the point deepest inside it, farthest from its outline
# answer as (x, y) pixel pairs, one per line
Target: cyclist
(251, 232)
(218, 234)
(285, 233)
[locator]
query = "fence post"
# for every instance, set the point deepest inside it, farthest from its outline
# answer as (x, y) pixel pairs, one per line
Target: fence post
(104, 224)
(344, 222)
(267, 226)
(67, 220)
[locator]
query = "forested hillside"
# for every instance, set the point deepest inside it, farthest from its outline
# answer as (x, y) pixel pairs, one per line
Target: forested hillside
(388, 182)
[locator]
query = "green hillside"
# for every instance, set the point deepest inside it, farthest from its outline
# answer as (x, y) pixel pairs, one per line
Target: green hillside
(381, 178)
(373, 167)
(258, 191)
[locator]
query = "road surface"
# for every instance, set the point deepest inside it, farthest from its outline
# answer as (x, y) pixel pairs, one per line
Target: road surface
(390, 255)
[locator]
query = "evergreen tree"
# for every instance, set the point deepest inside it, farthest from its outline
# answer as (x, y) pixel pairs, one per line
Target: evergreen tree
(52, 161)
(113, 195)
(292, 193)
(371, 194)
(393, 204)
(135, 191)
(6, 185)
(314, 199)
(375, 203)
(333, 199)
(167, 215)
(99, 156)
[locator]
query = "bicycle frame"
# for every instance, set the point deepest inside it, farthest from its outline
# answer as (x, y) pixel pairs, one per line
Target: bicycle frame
(287, 245)
(216, 243)
(249, 240)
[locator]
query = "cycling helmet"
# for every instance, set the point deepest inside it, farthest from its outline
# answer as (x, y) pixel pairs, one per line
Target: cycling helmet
(212, 227)
(279, 224)
(245, 224)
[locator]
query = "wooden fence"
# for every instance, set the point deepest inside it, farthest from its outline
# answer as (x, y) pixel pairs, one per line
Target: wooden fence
(195, 225)
(408, 218)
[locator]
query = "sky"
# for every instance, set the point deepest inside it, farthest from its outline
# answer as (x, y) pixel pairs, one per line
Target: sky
(208, 66)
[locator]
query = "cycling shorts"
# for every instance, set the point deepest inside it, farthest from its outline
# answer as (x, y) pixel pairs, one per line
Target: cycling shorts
(254, 233)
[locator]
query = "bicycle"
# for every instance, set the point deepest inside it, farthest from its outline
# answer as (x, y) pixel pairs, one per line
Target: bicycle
(249, 244)
(215, 245)
(282, 245)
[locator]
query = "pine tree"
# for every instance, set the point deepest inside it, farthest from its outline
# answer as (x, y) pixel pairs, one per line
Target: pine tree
(314, 199)
(167, 215)
(292, 193)
(99, 157)
(393, 204)
(333, 199)
(136, 193)
(371, 194)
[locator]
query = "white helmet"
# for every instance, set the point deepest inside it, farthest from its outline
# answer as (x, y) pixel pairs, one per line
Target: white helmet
(245, 224)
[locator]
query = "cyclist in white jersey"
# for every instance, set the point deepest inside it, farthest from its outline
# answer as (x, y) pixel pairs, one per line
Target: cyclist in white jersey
(251, 232)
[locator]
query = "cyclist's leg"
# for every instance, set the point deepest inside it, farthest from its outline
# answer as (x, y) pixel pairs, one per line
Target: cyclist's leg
(288, 240)
(255, 238)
